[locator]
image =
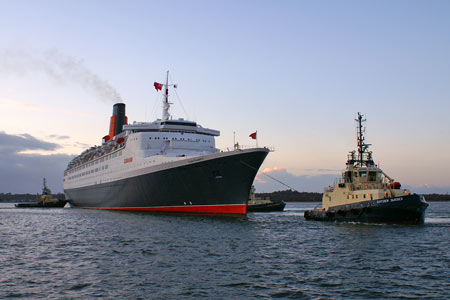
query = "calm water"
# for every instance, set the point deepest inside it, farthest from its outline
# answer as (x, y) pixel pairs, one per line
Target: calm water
(73, 253)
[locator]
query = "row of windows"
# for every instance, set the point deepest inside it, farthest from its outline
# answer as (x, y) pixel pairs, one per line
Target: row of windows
(363, 196)
(371, 175)
(181, 139)
(105, 167)
(108, 157)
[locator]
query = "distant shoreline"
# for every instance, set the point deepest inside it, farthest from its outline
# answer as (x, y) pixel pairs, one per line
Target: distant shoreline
(16, 198)
(293, 196)
(287, 196)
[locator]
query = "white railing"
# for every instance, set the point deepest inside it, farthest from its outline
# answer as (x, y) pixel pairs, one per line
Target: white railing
(245, 147)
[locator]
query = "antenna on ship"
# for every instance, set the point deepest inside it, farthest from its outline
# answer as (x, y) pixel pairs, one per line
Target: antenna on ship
(166, 103)
(364, 156)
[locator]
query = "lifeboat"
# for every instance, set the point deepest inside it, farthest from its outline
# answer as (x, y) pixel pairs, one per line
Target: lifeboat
(395, 185)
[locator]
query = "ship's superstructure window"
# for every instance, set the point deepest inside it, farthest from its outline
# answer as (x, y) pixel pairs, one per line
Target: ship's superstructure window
(348, 176)
(363, 174)
(373, 176)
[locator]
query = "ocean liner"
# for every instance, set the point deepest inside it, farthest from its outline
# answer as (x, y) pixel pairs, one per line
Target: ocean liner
(366, 194)
(168, 165)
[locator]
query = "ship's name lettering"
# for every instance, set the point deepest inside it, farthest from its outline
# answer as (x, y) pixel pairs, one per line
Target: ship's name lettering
(390, 200)
(128, 160)
(396, 199)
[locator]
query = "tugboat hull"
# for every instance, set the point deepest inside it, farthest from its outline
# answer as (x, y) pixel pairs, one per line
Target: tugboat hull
(266, 207)
(60, 203)
(408, 209)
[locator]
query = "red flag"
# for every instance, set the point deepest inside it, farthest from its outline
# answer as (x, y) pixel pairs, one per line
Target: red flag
(253, 135)
(158, 86)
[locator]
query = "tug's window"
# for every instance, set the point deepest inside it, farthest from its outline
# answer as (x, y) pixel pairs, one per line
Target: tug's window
(355, 174)
(363, 174)
(348, 176)
(372, 176)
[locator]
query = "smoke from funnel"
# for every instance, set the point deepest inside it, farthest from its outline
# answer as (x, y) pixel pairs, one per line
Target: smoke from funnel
(59, 67)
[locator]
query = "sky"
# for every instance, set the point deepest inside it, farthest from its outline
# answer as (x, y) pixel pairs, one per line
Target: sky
(296, 71)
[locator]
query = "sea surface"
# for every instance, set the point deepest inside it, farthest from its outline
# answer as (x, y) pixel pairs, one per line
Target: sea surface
(69, 253)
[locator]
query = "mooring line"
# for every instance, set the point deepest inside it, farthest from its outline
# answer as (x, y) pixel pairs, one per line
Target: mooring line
(246, 164)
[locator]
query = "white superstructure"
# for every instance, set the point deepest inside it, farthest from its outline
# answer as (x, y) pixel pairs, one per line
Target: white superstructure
(140, 146)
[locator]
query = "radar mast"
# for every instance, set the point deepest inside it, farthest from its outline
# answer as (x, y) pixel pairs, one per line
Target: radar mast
(364, 156)
(166, 103)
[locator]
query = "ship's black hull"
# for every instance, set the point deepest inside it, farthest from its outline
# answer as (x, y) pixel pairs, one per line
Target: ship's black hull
(400, 210)
(214, 186)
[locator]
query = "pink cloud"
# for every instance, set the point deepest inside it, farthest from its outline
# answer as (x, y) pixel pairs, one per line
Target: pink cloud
(270, 170)
(265, 171)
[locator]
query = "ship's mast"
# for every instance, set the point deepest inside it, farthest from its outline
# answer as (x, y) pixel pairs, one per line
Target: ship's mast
(45, 190)
(166, 103)
(364, 156)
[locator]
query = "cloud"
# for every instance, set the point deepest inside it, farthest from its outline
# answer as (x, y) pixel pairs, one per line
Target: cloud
(76, 113)
(81, 145)
(278, 178)
(23, 173)
(23, 142)
(20, 105)
(428, 189)
(317, 171)
(59, 137)
(317, 182)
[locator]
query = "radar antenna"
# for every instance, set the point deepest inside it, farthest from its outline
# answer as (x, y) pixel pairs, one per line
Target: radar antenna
(166, 104)
(364, 157)
(45, 189)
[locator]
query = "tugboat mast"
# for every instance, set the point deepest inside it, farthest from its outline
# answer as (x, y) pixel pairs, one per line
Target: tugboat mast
(45, 190)
(364, 156)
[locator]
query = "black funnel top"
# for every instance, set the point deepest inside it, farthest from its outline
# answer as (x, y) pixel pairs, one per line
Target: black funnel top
(119, 112)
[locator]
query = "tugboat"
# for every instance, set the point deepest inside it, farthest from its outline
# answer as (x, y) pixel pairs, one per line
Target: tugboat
(45, 200)
(366, 194)
(265, 204)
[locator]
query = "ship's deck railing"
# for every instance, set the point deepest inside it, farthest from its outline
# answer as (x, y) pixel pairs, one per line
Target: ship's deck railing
(328, 189)
(245, 147)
